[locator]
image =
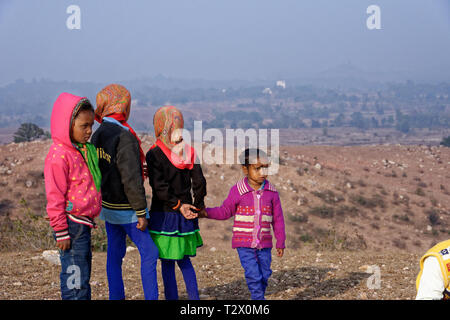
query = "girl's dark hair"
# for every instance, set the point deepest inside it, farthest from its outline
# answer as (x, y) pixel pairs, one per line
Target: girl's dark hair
(83, 105)
(250, 156)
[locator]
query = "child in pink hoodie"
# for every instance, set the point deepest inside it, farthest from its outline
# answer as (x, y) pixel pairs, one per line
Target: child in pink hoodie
(72, 183)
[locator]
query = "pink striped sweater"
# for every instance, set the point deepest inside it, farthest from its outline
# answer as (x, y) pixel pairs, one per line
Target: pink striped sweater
(254, 211)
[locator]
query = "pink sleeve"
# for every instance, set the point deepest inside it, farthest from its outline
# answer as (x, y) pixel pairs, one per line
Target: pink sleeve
(278, 222)
(226, 210)
(56, 186)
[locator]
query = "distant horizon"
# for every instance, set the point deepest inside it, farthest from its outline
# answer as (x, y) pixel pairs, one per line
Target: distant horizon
(324, 74)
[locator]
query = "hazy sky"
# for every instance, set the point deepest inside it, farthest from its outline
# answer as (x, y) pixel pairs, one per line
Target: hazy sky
(220, 39)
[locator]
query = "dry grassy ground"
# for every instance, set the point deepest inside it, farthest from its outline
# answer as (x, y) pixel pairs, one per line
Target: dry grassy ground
(302, 274)
(345, 208)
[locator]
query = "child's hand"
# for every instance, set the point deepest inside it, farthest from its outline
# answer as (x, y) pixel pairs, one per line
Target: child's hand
(280, 252)
(64, 244)
(202, 213)
(185, 210)
(142, 224)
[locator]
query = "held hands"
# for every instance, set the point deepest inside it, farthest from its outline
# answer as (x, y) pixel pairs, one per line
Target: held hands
(202, 213)
(187, 210)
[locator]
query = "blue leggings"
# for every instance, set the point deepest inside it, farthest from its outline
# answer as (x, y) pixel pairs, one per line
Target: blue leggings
(170, 282)
(116, 251)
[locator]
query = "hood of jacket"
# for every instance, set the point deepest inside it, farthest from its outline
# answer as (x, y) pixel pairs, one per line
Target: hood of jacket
(61, 118)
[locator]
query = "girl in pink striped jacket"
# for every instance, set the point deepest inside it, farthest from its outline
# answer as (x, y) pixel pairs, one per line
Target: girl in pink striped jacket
(256, 207)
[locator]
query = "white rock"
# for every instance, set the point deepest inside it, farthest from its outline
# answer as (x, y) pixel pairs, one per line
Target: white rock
(130, 248)
(18, 283)
(213, 249)
(52, 256)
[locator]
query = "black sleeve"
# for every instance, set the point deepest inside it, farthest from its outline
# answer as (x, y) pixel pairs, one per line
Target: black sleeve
(198, 186)
(130, 168)
(158, 182)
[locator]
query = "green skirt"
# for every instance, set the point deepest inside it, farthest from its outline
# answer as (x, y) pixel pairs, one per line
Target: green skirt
(176, 247)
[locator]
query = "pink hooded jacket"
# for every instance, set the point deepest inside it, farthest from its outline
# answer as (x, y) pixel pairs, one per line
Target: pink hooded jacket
(69, 185)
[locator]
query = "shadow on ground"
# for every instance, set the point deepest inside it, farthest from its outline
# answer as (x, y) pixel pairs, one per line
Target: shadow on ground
(311, 279)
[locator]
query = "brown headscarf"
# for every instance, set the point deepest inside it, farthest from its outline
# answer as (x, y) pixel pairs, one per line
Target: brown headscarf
(114, 101)
(168, 123)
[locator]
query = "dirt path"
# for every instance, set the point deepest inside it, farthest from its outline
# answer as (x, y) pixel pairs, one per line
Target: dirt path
(300, 274)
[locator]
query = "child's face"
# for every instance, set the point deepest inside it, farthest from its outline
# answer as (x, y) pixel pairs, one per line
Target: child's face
(82, 127)
(257, 173)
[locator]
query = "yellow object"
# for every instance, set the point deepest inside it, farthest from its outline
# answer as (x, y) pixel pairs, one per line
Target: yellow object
(442, 252)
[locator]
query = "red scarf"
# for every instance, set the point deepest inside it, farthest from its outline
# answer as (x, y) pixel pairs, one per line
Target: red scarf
(175, 159)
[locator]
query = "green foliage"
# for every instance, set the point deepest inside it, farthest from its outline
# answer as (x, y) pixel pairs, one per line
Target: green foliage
(403, 126)
(33, 231)
(446, 142)
(373, 202)
(298, 218)
(433, 217)
(28, 132)
(322, 211)
(420, 192)
(29, 232)
(331, 239)
(416, 105)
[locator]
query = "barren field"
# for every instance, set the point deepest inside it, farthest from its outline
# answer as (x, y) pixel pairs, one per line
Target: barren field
(348, 211)
(302, 274)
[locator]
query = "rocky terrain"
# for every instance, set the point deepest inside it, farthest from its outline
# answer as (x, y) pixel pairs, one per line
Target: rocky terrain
(302, 274)
(348, 211)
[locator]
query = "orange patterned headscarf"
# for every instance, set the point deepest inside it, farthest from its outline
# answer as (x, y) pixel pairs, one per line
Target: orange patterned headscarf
(166, 120)
(114, 101)
(168, 123)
